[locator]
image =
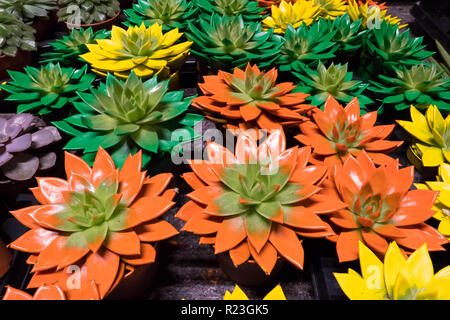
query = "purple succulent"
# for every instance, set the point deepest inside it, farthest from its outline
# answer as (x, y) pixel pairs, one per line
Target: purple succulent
(22, 141)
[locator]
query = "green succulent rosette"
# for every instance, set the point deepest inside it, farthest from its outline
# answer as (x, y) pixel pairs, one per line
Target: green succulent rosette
(304, 45)
(47, 89)
(224, 43)
(15, 35)
(90, 11)
(421, 85)
(249, 10)
(124, 117)
(66, 51)
(336, 81)
(170, 14)
(27, 10)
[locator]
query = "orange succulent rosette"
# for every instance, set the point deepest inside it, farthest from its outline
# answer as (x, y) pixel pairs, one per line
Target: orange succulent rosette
(255, 203)
(101, 219)
(52, 292)
(337, 132)
(381, 209)
(382, 5)
(251, 98)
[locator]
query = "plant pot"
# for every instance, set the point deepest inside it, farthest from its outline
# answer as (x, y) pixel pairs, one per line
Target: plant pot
(107, 24)
(44, 28)
(428, 173)
(249, 273)
(22, 59)
(125, 4)
(5, 259)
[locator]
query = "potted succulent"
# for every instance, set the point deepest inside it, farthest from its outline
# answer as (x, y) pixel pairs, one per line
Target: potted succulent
(103, 220)
(251, 98)
(124, 117)
(48, 89)
(336, 133)
(98, 14)
(398, 278)
(19, 41)
(146, 51)
(370, 14)
(249, 10)
(51, 292)
(334, 81)
(237, 294)
(223, 43)
(420, 85)
(429, 148)
(253, 205)
(67, 50)
(380, 208)
(170, 14)
(25, 146)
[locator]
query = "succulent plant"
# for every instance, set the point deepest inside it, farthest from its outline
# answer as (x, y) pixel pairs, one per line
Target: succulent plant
(45, 90)
(397, 279)
(444, 63)
(331, 9)
(170, 14)
(255, 203)
(294, 15)
(431, 133)
(380, 208)
(52, 292)
(23, 146)
(15, 35)
(100, 219)
(88, 12)
(336, 133)
(251, 97)
(248, 9)
(442, 204)
(335, 81)
(27, 10)
(124, 117)
(66, 51)
(371, 16)
(420, 85)
(146, 51)
(237, 294)
(303, 46)
(370, 3)
(224, 43)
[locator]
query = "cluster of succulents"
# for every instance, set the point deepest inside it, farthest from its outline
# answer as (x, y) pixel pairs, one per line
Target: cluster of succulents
(15, 35)
(27, 10)
(88, 11)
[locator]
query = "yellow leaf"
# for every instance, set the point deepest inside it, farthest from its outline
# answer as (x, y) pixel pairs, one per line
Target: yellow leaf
(276, 294)
(393, 263)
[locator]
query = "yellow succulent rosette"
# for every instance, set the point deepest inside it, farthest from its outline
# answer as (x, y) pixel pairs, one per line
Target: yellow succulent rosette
(442, 205)
(368, 14)
(237, 294)
(302, 11)
(146, 51)
(397, 279)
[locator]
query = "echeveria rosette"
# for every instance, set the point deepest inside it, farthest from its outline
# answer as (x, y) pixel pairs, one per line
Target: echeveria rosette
(170, 14)
(248, 9)
(442, 204)
(27, 10)
(224, 43)
(100, 219)
(146, 51)
(335, 81)
(255, 203)
(397, 279)
(431, 134)
(331, 9)
(251, 98)
(51, 292)
(23, 142)
(304, 45)
(420, 85)
(380, 208)
(124, 117)
(89, 11)
(66, 51)
(337, 132)
(48, 89)
(237, 294)
(16, 35)
(371, 15)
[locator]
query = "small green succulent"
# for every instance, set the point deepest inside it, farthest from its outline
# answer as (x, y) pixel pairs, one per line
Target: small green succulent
(15, 35)
(249, 10)
(27, 10)
(87, 11)
(50, 88)
(420, 85)
(123, 117)
(304, 45)
(228, 42)
(168, 13)
(336, 81)
(66, 51)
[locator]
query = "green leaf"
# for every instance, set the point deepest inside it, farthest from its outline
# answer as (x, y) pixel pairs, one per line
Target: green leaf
(100, 122)
(124, 129)
(146, 139)
(228, 204)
